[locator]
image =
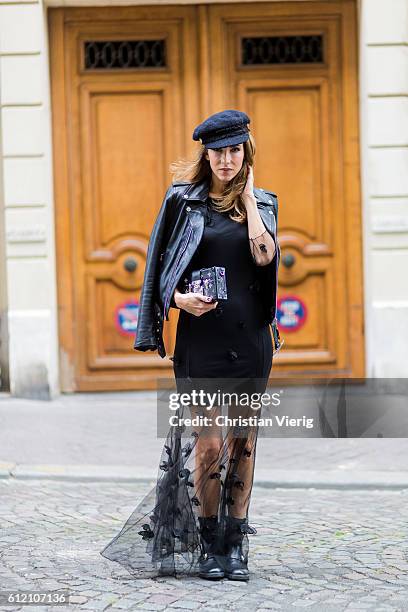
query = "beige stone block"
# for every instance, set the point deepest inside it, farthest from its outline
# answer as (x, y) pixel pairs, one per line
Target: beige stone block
(389, 206)
(388, 172)
(26, 232)
(24, 181)
(390, 359)
(387, 70)
(33, 353)
(30, 283)
(388, 121)
(386, 21)
(389, 278)
(21, 79)
(20, 28)
(388, 222)
(23, 131)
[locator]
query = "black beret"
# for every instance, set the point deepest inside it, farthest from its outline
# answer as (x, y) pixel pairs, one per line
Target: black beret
(224, 129)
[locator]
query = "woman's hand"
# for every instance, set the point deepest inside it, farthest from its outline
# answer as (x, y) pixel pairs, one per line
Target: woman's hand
(248, 195)
(261, 242)
(194, 303)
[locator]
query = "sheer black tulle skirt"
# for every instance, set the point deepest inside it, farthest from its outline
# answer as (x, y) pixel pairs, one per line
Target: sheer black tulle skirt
(204, 470)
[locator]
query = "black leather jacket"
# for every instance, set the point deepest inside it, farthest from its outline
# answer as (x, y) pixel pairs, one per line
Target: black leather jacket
(174, 239)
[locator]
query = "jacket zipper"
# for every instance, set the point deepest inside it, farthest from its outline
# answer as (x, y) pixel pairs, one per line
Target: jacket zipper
(169, 290)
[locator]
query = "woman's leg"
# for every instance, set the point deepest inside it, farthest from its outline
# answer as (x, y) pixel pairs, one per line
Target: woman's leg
(207, 457)
(241, 449)
(206, 477)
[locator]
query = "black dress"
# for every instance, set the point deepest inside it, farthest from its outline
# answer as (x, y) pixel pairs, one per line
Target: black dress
(231, 343)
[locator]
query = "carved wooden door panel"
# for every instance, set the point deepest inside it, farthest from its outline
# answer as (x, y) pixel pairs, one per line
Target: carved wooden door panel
(122, 76)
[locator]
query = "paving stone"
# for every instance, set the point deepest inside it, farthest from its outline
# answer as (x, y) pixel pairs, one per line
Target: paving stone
(188, 605)
(162, 598)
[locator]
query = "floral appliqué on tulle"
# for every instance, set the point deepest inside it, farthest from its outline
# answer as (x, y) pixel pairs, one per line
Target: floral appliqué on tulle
(161, 537)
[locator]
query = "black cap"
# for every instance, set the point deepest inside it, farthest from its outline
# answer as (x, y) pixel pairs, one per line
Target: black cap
(224, 129)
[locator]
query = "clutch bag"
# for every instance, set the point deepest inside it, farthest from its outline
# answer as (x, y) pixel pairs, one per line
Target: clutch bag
(210, 282)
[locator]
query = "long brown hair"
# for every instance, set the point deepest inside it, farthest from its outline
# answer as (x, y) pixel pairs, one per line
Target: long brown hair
(198, 169)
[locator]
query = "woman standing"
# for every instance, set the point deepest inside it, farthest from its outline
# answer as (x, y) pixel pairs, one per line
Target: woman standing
(196, 517)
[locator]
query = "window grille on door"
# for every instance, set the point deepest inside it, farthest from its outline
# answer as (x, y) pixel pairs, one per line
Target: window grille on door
(281, 50)
(124, 54)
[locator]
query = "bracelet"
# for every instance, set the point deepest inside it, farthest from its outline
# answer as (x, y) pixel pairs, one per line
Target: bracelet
(254, 238)
(261, 245)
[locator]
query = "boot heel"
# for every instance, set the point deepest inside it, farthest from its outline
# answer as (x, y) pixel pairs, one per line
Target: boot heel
(236, 563)
(209, 567)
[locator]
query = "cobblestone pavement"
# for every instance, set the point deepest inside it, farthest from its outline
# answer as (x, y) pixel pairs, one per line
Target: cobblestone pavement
(323, 550)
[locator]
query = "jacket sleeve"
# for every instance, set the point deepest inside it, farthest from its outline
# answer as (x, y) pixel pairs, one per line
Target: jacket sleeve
(277, 342)
(268, 276)
(150, 318)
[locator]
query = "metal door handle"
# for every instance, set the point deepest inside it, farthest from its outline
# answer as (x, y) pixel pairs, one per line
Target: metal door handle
(130, 264)
(288, 260)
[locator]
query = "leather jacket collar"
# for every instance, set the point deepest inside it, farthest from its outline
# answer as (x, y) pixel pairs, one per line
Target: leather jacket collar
(198, 191)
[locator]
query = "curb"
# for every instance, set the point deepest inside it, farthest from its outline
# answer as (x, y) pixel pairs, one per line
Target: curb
(267, 479)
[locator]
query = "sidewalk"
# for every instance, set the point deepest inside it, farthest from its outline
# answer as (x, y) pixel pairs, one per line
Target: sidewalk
(112, 437)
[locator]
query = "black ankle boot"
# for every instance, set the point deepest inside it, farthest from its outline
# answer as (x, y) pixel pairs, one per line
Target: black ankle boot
(236, 563)
(209, 566)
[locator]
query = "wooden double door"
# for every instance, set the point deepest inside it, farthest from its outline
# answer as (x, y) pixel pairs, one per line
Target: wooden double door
(129, 84)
